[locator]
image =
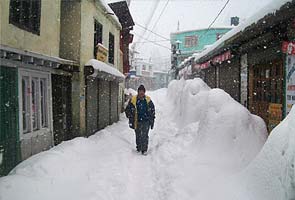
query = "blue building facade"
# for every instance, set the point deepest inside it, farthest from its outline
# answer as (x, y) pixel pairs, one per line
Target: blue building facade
(194, 41)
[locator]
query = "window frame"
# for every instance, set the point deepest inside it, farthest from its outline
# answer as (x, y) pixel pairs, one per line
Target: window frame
(40, 129)
(111, 56)
(27, 105)
(191, 41)
(30, 27)
(97, 38)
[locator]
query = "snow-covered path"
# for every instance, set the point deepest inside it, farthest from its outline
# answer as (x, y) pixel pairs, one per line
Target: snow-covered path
(104, 166)
(202, 140)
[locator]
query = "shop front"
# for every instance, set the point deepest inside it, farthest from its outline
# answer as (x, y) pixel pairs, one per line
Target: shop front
(289, 50)
(266, 85)
(102, 95)
(28, 103)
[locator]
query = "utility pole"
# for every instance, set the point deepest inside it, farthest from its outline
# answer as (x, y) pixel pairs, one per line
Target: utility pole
(175, 54)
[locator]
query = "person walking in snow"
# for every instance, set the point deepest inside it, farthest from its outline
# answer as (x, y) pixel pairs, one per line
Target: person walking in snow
(141, 114)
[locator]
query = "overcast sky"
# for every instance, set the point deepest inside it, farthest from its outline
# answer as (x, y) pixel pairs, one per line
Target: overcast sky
(191, 14)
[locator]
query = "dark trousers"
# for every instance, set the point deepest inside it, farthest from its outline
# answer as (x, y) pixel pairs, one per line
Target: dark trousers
(142, 135)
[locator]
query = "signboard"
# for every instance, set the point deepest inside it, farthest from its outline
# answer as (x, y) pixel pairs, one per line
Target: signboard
(102, 53)
(217, 59)
(275, 115)
(288, 48)
(290, 83)
(244, 80)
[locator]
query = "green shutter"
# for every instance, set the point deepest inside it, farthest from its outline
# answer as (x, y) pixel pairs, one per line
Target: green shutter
(9, 138)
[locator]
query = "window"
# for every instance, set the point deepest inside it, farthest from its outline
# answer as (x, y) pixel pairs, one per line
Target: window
(111, 48)
(25, 14)
(191, 41)
(25, 104)
(35, 101)
(97, 35)
(43, 96)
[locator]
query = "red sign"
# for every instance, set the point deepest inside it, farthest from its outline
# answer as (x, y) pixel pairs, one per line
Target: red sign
(217, 59)
(291, 87)
(288, 48)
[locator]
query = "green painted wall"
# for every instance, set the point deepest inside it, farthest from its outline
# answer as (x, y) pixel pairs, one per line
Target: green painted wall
(9, 137)
(205, 37)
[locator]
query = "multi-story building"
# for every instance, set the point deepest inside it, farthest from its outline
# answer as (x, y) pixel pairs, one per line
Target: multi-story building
(90, 30)
(34, 81)
(60, 69)
(160, 79)
(122, 11)
(186, 43)
(141, 74)
(255, 63)
(195, 41)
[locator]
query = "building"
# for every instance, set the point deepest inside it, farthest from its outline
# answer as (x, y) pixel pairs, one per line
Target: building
(185, 44)
(60, 71)
(121, 10)
(141, 74)
(90, 35)
(160, 80)
(195, 41)
(255, 63)
(35, 83)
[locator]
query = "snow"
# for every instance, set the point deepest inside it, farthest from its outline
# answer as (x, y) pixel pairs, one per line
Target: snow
(1, 157)
(114, 1)
(130, 91)
(204, 146)
(101, 66)
(272, 7)
(200, 29)
(108, 12)
(271, 176)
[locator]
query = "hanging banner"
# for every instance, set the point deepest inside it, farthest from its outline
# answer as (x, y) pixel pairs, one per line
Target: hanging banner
(290, 83)
(288, 48)
(244, 80)
(217, 59)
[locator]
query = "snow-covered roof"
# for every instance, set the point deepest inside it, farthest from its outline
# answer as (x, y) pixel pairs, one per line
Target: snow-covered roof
(113, 1)
(272, 7)
(201, 29)
(159, 72)
(103, 67)
(108, 10)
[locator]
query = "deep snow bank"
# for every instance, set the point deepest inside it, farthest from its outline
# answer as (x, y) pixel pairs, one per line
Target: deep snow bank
(271, 176)
(227, 133)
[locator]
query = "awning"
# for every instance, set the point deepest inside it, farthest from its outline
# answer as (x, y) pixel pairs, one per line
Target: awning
(8, 54)
(96, 68)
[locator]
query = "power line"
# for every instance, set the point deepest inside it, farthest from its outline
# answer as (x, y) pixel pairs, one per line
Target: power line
(152, 41)
(216, 17)
(161, 14)
(151, 15)
(141, 26)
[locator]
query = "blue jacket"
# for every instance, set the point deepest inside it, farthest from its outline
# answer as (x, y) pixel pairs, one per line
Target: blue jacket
(140, 110)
